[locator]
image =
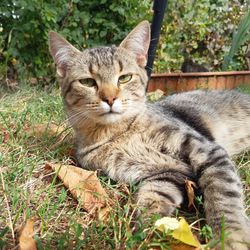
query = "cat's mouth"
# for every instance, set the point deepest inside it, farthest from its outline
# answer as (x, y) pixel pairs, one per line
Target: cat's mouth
(111, 113)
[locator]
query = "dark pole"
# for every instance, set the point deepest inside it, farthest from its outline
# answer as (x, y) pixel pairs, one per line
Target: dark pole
(159, 9)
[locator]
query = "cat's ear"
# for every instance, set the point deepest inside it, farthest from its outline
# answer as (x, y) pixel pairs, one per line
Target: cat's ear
(137, 41)
(62, 52)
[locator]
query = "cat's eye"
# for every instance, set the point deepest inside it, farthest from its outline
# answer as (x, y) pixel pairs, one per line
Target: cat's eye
(124, 78)
(88, 82)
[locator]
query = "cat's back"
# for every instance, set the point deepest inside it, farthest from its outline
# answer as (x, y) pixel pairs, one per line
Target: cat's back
(215, 114)
(211, 102)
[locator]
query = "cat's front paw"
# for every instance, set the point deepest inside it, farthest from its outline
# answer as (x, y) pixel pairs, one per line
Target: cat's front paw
(153, 200)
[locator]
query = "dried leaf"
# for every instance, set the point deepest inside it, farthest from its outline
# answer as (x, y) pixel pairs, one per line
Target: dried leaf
(61, 135)
(6, 136)
(84, 186)
(180, 230)
(155, 96)
(26, 241)
(190, 185)
(33, 80)
(183, 247)
(167, 223)
(44, 129)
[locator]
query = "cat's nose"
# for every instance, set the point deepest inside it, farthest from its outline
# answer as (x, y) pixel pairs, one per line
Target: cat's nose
(109, 100)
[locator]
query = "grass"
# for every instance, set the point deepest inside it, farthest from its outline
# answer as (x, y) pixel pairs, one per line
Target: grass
(29, 190)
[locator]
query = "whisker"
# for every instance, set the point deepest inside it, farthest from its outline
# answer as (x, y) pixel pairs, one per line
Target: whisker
(92, 105)
(78, 119)
(74, 115)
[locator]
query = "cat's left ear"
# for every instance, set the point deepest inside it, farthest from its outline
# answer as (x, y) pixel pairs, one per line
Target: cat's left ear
(137, 41)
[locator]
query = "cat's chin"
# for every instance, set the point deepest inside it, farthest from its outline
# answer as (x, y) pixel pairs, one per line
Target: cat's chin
(110, 118)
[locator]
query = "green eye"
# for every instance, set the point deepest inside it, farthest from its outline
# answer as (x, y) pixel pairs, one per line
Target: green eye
(124, 78)
(88, 82)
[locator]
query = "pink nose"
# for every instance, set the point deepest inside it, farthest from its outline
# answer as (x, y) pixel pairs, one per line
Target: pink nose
(109, 100)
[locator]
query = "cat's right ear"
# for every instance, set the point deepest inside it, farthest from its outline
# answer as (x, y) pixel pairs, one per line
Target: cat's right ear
(62, 52)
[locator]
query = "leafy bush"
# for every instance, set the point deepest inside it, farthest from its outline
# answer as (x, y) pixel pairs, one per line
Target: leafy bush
(201, 30)
(25, 24)
(241, 36)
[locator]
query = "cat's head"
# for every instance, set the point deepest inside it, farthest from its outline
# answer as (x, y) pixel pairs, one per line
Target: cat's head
(105, 84)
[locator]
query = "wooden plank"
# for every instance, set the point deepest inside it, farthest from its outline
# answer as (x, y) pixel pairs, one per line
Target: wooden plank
(212, 82)
(202, 83)
(179, 82)
(230, 82)
(221, 83)
(196, 74)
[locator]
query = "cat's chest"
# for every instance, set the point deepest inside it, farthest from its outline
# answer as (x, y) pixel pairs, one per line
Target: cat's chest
(145, 143)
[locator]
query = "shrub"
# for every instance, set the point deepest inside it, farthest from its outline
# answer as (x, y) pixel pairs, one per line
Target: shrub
(25, 24)
(201, 30)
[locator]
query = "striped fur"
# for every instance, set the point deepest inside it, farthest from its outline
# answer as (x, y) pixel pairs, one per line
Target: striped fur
(188, 136)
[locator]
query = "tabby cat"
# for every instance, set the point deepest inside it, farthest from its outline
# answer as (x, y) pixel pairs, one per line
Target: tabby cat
(189, 136)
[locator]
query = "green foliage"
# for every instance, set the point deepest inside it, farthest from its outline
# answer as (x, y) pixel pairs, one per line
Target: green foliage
(24, 27)
(201, 30)
(241, 36)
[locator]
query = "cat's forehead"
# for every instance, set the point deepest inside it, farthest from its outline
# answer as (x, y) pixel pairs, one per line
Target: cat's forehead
(104, 62)
(102, 55)
(108, 56)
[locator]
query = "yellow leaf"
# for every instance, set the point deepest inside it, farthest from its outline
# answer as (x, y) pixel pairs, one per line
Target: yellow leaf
(167, 223)
(14, 61)
(184, 234)
(180, 230)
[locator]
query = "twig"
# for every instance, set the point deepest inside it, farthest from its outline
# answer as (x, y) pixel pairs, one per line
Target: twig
(197, 221)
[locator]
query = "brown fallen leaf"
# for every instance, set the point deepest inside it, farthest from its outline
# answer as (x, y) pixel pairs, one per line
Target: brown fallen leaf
(6, 136)
(190, 185)
(26, 240)
(85, 187)
(62, 135)
(183, 247)
(33, 80)
(44, 129)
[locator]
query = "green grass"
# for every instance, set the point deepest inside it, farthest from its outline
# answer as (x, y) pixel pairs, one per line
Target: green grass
(27, 189)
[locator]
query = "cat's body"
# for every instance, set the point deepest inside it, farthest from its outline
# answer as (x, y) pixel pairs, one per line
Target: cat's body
(224, 114)
(184, 137)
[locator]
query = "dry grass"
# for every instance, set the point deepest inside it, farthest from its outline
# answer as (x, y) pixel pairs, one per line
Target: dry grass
(28, 190)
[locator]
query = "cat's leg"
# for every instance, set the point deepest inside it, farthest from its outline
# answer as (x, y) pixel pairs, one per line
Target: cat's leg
(223, 200)
(222, 189)
(162, 190)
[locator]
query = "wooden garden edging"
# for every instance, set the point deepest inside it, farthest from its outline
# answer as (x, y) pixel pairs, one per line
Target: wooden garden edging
(180, 82)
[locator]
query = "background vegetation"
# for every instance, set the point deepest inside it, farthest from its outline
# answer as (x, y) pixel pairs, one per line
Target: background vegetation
(201, 30)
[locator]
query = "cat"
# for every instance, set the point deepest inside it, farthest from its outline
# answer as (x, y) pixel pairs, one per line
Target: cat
(188, 136)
